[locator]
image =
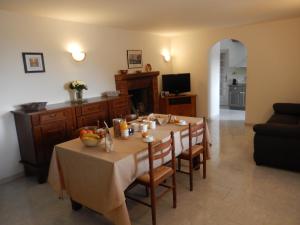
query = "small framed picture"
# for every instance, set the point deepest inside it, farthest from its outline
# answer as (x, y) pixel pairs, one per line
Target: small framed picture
(33, 62)
(134, 59)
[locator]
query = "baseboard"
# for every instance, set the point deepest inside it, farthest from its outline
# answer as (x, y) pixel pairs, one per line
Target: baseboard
(11, 178)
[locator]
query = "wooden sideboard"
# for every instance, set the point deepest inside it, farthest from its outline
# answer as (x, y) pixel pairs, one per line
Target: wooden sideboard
(39, 131)
(182, 105)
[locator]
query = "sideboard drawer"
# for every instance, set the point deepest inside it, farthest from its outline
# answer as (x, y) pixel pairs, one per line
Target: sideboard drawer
(54, 116)
(94, 108)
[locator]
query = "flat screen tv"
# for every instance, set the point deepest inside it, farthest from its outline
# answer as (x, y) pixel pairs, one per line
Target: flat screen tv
(176, 83)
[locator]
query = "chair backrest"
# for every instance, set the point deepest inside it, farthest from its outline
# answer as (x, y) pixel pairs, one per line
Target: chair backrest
(195, 130)
(131, 117)
(160, 151)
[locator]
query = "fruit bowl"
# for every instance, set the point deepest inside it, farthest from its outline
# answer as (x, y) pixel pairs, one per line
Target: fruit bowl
(90, 142)
(91, 138)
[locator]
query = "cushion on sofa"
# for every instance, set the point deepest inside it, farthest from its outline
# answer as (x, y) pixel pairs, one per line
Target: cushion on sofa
(277, 130)
(284, 119)
(287, 108)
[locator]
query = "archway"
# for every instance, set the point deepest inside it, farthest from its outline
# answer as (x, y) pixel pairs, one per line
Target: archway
(227, 80)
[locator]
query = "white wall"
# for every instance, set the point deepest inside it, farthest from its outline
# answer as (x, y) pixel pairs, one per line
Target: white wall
(106, 54)
(273, 68)
(214, 81)
(237, 53)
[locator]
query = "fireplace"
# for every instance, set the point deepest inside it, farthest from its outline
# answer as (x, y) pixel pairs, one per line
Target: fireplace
(143, 89)
(140, 101)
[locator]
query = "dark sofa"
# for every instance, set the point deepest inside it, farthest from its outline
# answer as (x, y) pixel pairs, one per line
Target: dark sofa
(277, 142)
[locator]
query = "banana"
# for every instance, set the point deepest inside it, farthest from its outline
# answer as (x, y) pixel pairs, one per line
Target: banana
(95, 136)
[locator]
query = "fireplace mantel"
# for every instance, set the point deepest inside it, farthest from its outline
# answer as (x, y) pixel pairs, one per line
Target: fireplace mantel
(144, 80)
(133, 76)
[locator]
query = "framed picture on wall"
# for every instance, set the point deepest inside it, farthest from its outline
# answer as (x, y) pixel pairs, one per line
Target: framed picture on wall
(33, 62)
(134, 59)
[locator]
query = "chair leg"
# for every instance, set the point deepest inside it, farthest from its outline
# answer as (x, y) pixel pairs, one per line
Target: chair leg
(153, 205)
(204, 165)
(174, 190)
(179, 164)
(191, 174)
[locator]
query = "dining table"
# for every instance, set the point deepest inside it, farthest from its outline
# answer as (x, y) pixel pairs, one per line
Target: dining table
(97, 178)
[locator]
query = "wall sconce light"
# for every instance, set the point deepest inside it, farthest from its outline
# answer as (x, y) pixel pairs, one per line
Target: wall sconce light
(78, 56)
(166, 55)
(76, 51)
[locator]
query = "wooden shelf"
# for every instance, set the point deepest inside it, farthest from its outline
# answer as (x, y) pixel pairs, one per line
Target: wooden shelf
(182, 105)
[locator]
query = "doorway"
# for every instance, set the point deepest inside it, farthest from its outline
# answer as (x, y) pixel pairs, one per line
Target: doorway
(227, 76)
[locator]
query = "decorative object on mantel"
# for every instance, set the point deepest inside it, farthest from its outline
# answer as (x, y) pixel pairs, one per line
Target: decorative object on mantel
(134, 59)
(123, 71)
(78, 86)
(148, 68)
(110, 93)
(33, 62)
(33, 106)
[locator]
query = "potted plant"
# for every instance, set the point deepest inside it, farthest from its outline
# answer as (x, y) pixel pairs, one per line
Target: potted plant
(78, 86)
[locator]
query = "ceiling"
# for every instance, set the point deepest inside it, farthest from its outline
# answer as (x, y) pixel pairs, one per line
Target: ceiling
(160, 16)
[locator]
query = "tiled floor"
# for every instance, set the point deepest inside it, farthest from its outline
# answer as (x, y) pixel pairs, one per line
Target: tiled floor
(229, 114)
(236, 192)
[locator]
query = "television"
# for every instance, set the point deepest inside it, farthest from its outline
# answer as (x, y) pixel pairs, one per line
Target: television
(176, 83)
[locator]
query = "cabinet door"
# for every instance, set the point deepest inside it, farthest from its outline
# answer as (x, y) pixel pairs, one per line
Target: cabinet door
(92, 119)
(47, 136)
(242, 98)
(119, 107)
(234, 99)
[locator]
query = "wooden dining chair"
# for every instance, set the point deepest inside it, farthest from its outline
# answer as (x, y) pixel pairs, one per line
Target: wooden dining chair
(194, 132)
(158, 176)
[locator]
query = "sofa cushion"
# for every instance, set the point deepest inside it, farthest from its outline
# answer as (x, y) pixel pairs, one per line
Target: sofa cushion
(287, 108)
(284, 119)
(277, 130)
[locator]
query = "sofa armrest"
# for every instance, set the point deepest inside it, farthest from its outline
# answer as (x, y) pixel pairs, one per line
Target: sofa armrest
(278, 130)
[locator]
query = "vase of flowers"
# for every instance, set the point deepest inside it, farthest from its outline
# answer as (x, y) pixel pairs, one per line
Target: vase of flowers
(78, 86)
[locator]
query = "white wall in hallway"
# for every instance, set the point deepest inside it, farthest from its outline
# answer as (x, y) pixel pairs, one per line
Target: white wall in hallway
(214, 81)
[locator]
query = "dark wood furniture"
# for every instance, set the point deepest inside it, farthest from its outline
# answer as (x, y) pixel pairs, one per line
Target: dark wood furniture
(127, 84)
(157, 176)
(183, 105)
(39, 131)
(195, 131)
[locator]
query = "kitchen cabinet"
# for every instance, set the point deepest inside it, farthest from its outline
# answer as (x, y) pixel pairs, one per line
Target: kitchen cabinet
(237, 96)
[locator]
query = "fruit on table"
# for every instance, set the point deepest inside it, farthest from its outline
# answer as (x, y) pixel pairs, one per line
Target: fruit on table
(89, 139)
(90, 136)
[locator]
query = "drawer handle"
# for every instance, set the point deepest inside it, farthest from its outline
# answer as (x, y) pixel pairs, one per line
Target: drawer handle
(52, 115)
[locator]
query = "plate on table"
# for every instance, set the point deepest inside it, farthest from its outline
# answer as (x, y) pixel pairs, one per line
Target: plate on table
(148, 139)
(181, 123)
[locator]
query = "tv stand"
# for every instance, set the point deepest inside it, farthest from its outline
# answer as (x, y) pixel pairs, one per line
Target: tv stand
(181, 105)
